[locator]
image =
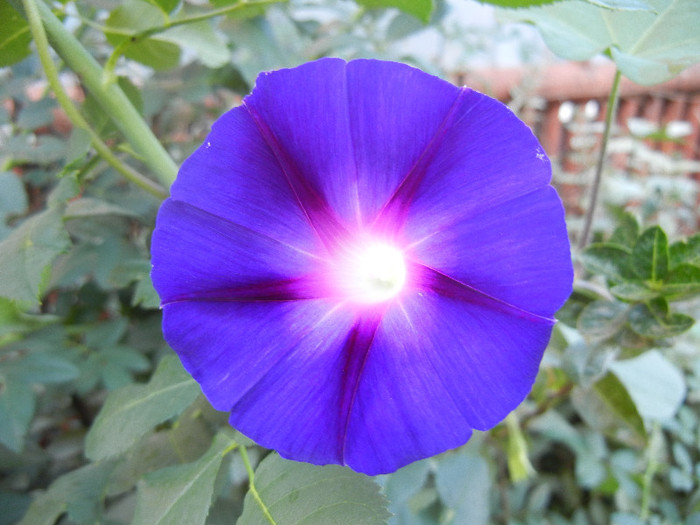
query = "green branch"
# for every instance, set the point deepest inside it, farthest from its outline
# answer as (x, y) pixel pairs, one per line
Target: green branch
(111, 98)
(42, 46)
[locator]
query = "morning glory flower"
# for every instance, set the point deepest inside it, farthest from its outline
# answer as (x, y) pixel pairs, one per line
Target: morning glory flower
(362, 262)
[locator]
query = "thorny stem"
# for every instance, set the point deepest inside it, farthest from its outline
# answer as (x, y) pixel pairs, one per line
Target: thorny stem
(253, 490)
(610, 114)
(42, 45)
(111, 98)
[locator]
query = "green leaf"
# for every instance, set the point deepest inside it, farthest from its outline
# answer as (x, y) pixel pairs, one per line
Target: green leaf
(602, 319)
(403, 484)
(14, 37)
(640, 42)
(686, 251)
(182, 493)
(650, 257)
(167, 6)
(90, 207)
(25, 255)
(145, 295)
(134, 410)
(37, 114)
(294, 493)
(79, 493)
(682, 282)
(655, 385)
(13, 200)
(616, 398)
(463, 483)
(518, 3)
(633, 5)
(626, 232)
(610, 260)
(41, 368)
(201, 38)
(633, 291)
(33, 149)
(653, 319)
(16, 410)
(421, 9)
(129, 19)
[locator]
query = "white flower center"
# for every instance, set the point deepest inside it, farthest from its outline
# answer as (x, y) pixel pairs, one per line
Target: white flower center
(378, 273)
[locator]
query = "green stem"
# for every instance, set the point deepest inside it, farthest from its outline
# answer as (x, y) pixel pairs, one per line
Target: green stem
(42, 46)
(649, 473)
(610, 114)
(253, 490)
(111, 98)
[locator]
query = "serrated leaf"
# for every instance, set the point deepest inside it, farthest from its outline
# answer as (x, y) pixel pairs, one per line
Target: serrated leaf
(182, 493)
(131, 412)
(615, 396)
(653, 319)
(639, 41)
(421, 9)
(79, 493)
(607, 259)
(15, 36)
(632, 291)
(294, 493)
(650, 257)
(682, 282)
(655, 385)
(25, 255)
(602, 319)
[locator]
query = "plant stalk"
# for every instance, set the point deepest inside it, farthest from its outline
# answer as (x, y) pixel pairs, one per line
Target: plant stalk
(610, 114)
(111, 97)
(51, 72)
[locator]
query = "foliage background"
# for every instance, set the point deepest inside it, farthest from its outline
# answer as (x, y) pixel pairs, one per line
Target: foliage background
(100, 424)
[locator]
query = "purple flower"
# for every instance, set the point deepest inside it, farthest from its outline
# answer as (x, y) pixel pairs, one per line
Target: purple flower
(362, 262)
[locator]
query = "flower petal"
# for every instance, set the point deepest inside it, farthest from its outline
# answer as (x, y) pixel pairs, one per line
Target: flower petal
(236, 176)
(354, 130)
(230, 348)
(517, 251)
(486, 157)
(301, 406)
(439, 367)
(221, 259)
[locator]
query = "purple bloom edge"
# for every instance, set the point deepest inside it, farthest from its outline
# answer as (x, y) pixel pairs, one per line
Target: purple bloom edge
(255, 257)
